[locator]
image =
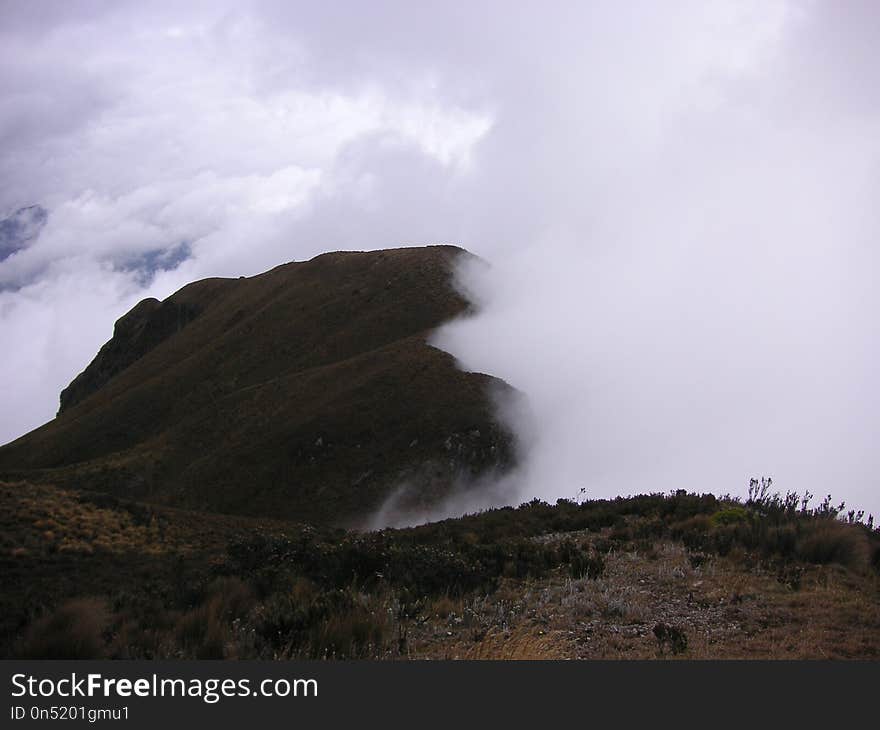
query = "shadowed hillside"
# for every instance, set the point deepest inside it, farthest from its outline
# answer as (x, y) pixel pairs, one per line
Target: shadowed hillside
(306, 392)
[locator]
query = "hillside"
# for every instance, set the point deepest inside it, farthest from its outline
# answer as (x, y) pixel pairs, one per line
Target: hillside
(306, 392)
(203, 490)
(681, 575)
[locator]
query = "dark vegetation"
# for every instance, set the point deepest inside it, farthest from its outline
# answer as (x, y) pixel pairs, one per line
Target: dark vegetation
(249, 589)
(312, 384)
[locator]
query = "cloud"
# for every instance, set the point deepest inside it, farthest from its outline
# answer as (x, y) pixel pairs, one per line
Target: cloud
(168, 147)
(677, 202)
(696, 309)
(18, 229)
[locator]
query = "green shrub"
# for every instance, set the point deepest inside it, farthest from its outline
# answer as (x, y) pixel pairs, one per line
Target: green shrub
(730, 516)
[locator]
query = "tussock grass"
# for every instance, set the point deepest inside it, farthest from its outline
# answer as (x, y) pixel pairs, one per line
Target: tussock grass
(73, 631)
(591, 579)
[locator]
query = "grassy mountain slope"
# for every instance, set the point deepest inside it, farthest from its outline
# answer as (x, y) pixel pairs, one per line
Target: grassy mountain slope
(306, 392)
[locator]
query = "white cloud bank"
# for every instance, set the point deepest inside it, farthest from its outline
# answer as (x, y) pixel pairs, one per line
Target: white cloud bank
(678, 201)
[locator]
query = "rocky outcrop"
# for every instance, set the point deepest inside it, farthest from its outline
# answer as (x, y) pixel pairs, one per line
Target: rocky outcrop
(143, 328)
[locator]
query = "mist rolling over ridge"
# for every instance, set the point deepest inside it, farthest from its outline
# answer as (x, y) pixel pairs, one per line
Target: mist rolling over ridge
(492, 329)
(677, 205)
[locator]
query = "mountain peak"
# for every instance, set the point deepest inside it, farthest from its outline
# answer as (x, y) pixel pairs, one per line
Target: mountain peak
(308, 391)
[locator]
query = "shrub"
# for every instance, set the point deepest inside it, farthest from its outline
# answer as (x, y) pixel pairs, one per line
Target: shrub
(730, 516)
(780, 541)
(202, 634)
(230, 597)
(826, 540)
(723, 539)
(693, 532)
(205, 631)
(349, 634)
(791, 576)
(338, 624)
(648, 528)
(672, 637)
(443, 607)
(73, 631)
(583, 564)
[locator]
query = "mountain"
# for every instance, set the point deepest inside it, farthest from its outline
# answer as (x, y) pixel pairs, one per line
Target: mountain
(307, 392)
(186, 503)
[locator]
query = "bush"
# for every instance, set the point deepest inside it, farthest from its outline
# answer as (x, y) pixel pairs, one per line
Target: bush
(781, 541)
(74, 631)
(352, 633)
(583, 564)
(205, 631)
(202, 634)
(334, 624)
(730, 516)
(693, 532)
(828, 540)
(230, 597)
(670, 637)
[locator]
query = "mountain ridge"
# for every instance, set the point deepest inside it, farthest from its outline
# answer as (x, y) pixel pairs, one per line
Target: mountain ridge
(308, 392)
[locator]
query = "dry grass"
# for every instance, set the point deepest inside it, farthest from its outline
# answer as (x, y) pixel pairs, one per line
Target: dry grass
(73, 631)
(520, 643)
(206, 631)
(725, 611)
(58, 546)
(155, 572)
(47, 519)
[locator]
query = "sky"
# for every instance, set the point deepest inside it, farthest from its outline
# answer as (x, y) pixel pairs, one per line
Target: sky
(677, 203)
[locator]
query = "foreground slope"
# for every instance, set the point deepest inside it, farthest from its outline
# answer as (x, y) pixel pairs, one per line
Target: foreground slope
(87, 575)
(306, 392)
